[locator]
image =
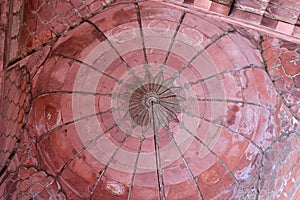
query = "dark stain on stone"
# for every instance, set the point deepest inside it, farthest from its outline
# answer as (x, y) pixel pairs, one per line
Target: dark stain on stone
(231, 114)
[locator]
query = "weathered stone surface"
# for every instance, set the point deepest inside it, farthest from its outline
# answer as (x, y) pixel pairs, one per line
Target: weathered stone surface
(149, 100)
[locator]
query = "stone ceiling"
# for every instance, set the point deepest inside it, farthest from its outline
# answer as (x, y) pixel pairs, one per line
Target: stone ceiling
(150, 99)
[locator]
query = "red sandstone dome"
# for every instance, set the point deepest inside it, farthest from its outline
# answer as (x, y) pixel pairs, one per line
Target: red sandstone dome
(150, 100)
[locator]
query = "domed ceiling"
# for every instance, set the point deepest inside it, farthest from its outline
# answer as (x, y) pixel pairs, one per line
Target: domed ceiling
(149, 100)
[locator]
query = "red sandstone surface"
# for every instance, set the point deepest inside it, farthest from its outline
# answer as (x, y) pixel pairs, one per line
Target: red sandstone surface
(150, 100)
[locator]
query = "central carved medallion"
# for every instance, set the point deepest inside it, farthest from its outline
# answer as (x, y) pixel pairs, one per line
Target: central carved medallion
(155, 102)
